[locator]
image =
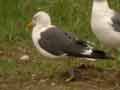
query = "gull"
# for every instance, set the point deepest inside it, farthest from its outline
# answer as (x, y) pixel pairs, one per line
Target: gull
(105, 24)
(52, 42)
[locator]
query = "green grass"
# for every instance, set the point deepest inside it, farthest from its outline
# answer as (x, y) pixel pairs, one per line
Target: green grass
(69, 15)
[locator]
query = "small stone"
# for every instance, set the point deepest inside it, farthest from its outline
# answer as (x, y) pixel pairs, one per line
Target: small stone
(34, 76)
(24, 57)
(53, 84)
(1, 52)
(43, 80)
(90, 59)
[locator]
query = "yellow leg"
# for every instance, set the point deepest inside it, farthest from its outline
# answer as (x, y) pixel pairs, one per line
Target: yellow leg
(115, 53)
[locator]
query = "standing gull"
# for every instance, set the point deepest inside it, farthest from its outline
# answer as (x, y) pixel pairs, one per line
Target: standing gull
(105, 23)
(53, 42)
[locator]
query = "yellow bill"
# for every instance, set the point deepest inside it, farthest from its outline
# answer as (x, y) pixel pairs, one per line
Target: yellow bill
(30, 25)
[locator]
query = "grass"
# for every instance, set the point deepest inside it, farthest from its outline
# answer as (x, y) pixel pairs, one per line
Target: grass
(15, 39)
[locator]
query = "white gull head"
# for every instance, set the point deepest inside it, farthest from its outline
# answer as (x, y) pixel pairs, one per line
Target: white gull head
(41, 22)
(41, 18)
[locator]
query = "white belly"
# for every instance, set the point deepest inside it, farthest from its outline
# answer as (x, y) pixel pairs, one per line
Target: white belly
(105, 32)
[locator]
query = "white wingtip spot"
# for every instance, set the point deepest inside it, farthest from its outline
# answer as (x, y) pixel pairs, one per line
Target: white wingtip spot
(87, 52)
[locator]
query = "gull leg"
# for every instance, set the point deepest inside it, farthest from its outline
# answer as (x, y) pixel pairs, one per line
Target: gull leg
(118, 54)
(71, 71)
(116, 57)
(72, 75)
(114, 53)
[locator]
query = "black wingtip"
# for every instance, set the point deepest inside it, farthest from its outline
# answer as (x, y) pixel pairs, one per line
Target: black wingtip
(101, 55)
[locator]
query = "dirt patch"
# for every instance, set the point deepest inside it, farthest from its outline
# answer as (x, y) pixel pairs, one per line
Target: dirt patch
(89, 75)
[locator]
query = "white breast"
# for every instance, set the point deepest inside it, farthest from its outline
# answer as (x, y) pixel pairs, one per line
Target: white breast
(102, 27)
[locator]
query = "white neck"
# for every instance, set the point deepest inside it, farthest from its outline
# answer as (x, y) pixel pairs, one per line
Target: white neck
(100, 5)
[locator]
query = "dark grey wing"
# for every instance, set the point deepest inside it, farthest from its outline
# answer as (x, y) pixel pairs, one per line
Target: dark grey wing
(75, 39)
(83, 43)
(71, 36)
(116, 21)
(56, 42)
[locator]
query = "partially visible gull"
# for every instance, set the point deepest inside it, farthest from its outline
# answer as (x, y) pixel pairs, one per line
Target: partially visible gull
(53, 42)
(105, 24)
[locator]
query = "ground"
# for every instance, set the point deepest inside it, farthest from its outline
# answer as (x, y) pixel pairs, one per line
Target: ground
(41, 73)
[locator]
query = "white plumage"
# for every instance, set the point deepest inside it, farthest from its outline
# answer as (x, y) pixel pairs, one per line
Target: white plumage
(105, 24)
